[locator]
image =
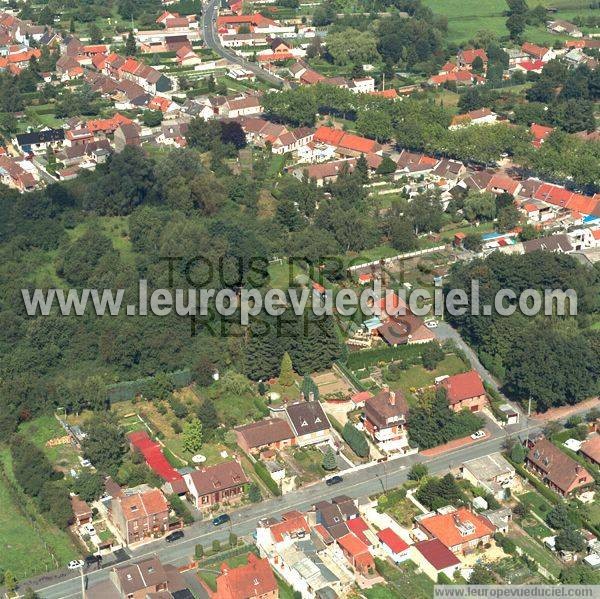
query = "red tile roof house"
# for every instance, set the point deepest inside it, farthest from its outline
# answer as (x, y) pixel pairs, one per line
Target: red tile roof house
(434, 558)
(140, 516)
(272, 433)
(81, 510)
(253, 580)
(466, 58)
(591, 450)
(385, 420)
(393, 545)
(465, 391)
(556, 469)
(460, 530)
(222, 483)
(357, 553)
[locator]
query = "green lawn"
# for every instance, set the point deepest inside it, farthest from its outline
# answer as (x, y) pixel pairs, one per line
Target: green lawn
(114, 227)
(44, 428)
(537, 503)
(29, 544)
(417, 376)
(404, 581)
(593, 512)
(540, 554)
(467, 17)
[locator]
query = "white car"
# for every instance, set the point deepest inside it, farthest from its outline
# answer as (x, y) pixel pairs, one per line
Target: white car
(89, 529)
(478, 435)
(432, 324)
(75, 564)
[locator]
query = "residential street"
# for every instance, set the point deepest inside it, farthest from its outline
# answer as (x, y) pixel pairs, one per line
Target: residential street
(379, 477)
(211, 40)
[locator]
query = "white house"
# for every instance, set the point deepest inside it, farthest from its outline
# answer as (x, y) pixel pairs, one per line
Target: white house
(393, 545)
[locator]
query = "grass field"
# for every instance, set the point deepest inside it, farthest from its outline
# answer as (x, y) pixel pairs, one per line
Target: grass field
(417, 376)
(534, 550)
(29, 544)
(537, 503)
(114, 227)
(404, 581)
(467, 17)
(40, 431)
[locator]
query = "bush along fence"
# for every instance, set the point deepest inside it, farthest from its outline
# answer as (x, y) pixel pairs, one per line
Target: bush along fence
(127, 390)
(266, 477)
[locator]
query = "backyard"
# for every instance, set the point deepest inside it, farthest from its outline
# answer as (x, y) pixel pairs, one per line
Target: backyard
(403, 581)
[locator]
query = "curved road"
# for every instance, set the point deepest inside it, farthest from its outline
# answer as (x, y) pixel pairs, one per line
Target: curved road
(209, 29)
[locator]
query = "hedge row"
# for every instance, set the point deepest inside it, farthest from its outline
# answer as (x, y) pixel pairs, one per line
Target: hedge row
(266, 477)
(368, 357)
(350, 376)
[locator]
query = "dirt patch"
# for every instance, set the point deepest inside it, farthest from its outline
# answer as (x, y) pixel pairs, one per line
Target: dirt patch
(329, 383)
(566, 411)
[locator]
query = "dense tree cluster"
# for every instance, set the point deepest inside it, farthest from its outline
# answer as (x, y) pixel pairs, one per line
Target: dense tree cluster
(553, 360)
(434, 423)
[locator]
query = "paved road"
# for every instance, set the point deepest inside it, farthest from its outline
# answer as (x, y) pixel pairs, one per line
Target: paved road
(377, 478)
(209, 15)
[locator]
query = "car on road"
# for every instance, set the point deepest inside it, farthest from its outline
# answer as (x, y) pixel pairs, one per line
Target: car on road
(432, 324)
(221, 519)
(478, 435)
(333, 480)
(75, 564)
(174, 536)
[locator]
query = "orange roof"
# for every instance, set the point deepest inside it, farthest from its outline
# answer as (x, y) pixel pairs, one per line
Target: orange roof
(463, 386)
(352, 545)
(534, 50)
(159, 103)
(499, 181)
(328, 135)
(96, 49)
(446, 527)
(254, 579)
(287, 527)
(108, 125)
(143, 504)
(272, 56)
(391, 94)
(596, 234)
(468, 56)
(131, 65)
(254, 19)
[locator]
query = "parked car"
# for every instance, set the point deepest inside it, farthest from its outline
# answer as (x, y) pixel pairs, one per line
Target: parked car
(221, 519)
(174, 536)
(333, 480)
(89, 529)
(75, 564)
(432, 324)
(478, 435)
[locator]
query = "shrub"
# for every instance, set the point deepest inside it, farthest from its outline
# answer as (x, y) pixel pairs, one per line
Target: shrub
(356, 440)
(266, 477)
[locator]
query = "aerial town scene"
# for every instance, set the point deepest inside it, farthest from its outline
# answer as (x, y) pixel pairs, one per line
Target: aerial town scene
(300, 299)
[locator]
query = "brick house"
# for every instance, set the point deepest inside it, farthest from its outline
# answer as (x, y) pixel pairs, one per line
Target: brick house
(81, 510)
(591, 450)
(225, 482)
(556, 469)
(308, 422)
(465, 391)
(357, 554)
(255, 580)
(140, 515)
(385, 419)
(271, 433)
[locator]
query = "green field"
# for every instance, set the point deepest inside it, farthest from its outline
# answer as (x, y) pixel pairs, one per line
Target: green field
(535, 551)
(467, 17)
(114, 227)
(30, 545)
(403, 581)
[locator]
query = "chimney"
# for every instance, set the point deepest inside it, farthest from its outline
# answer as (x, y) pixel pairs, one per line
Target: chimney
(392, 398)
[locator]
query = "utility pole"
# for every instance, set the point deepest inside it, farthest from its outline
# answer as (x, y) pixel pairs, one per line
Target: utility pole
(82, 582)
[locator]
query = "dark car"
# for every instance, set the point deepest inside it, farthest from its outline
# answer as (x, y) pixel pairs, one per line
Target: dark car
(221, 520)
(174, 536)
(334, 480)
